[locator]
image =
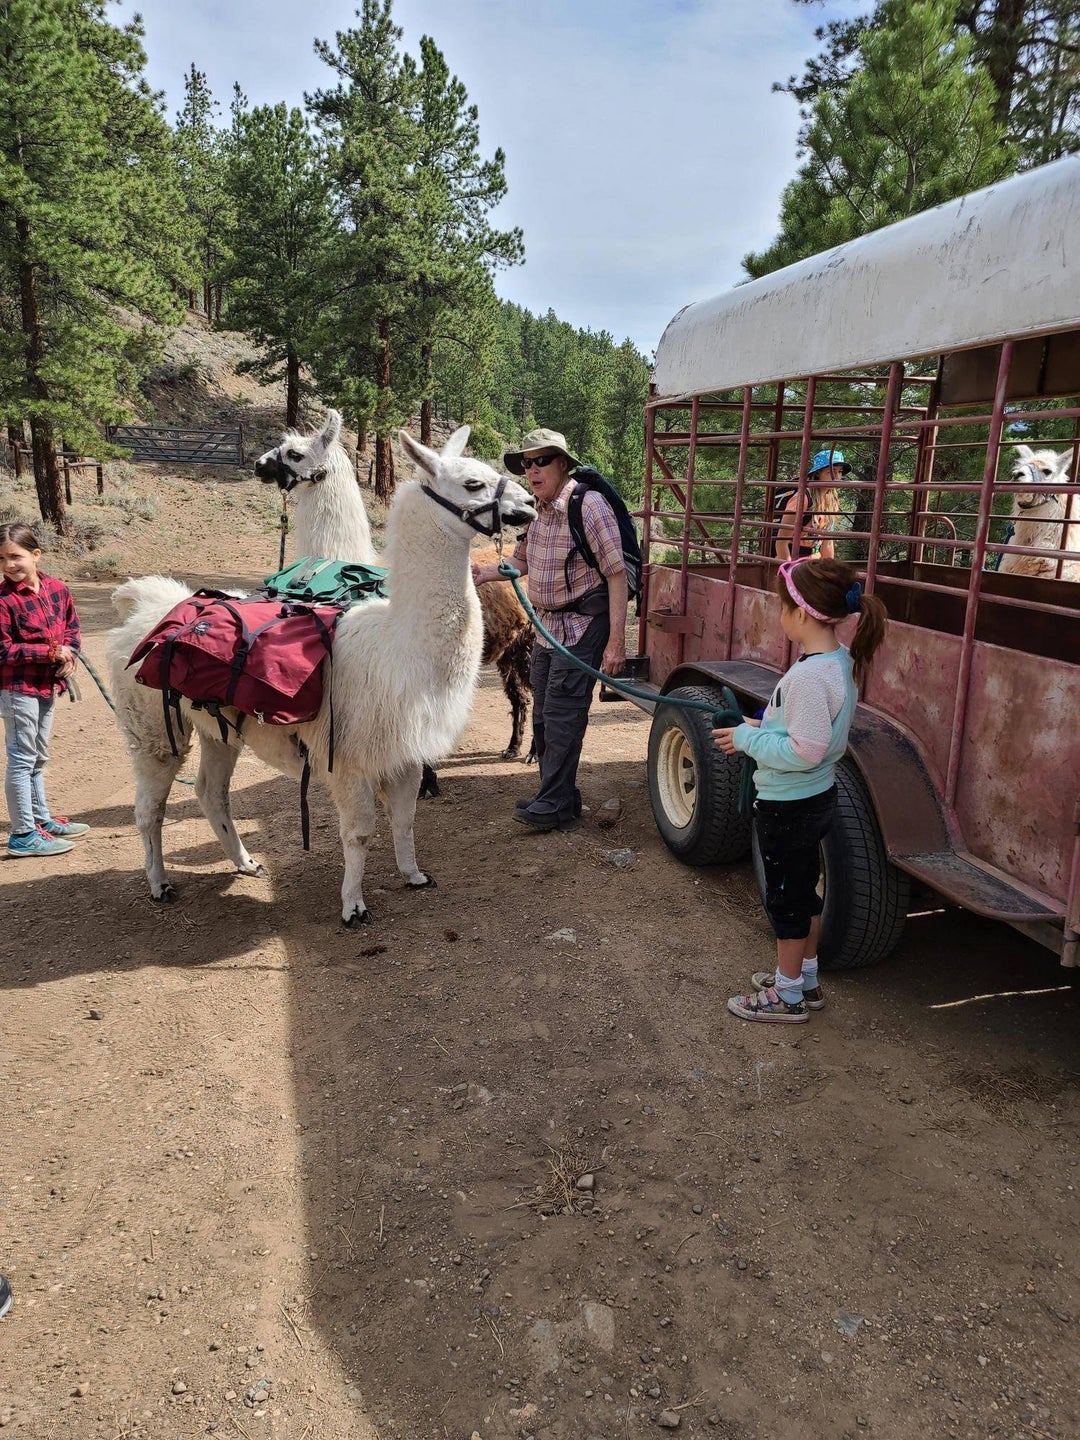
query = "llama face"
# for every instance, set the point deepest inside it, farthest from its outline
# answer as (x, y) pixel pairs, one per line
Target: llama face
(468, 488)
(299, 459)
(1044, 470)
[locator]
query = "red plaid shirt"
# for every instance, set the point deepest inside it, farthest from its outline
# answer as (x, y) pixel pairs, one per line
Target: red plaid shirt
(544, 548)
(30, 626)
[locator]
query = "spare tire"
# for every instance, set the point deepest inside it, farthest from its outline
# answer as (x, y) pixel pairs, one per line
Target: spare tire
(693, 786)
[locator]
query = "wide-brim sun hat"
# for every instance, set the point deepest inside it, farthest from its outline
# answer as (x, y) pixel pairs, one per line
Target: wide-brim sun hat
(538, 440)
(829, 457)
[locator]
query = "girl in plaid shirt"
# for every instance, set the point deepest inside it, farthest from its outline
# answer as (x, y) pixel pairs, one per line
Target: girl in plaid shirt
(39, 645)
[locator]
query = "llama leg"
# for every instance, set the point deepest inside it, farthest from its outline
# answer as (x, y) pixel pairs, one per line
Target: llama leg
(154, 775)
(400, 801)
(513, 668)
(356, 820)
(216, 765)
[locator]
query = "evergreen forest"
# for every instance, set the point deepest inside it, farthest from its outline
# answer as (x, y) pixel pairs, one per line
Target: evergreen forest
(354, 238)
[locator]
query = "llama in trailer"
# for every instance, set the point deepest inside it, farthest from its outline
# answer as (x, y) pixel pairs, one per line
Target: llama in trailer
(330, 521)
(1038, 515)
(404, 672)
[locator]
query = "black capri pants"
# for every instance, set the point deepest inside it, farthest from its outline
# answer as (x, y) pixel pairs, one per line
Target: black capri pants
(789, 836)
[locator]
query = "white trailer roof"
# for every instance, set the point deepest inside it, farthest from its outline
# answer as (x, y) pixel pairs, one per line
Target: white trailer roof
(1002, 262)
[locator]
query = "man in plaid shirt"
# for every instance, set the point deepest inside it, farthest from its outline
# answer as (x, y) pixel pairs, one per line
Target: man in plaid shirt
(584, 608)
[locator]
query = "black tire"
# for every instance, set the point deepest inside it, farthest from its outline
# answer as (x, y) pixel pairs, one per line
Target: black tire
(866, 897)
(693, 787)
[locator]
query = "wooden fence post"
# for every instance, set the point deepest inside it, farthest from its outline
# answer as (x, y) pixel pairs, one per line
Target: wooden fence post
(17, 450)
(240, 427)
(67, 478)
(99, 470)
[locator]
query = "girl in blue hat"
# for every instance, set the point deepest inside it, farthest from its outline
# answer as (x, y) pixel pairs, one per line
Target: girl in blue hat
(820, 506)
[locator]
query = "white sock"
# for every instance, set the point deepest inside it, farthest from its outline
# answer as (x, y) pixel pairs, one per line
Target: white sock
(790, 991)
(809, 973)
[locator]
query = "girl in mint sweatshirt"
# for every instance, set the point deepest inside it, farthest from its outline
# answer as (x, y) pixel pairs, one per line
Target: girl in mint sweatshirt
(796, 744)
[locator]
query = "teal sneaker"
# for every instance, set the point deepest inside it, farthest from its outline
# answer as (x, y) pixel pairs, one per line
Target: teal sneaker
(34, 843)
(61, 828)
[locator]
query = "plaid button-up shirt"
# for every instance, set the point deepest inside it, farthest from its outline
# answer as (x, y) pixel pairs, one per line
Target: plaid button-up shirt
(32, 625)
(544, 548)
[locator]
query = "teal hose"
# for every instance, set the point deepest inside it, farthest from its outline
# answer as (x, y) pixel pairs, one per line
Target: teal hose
(730, 715)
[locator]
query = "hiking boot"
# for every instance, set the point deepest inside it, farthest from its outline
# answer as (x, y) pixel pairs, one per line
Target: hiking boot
(5, 1296)
(767, 1005)
(765, 980)
(546, 821)
(34, 843)
(61, 828)
(520, 805)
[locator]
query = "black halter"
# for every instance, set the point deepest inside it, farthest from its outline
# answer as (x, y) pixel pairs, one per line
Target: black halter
(470, 514)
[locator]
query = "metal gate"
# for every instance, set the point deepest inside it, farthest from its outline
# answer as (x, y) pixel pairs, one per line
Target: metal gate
(184, 444)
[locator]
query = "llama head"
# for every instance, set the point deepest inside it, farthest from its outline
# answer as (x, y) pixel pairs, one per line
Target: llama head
(468, 489)
(299, 459)
(1042, 471)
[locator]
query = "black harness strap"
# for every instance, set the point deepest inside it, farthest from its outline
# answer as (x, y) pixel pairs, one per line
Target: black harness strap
(471, 515)
(305, 813)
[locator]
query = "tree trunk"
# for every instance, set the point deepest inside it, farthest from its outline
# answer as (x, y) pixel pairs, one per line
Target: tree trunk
(427, 352)
(217, 304)
(292, 389)
(384, 460)
(1003, 54)
(46, 475)
(15, 433)
(191, 299)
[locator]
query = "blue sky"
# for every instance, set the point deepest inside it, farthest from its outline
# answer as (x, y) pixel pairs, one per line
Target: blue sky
(645, 152)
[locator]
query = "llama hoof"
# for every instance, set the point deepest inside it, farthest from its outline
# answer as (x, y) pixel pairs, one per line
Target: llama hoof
(260, 872)
(428, 883)
(165, 896)
(510, 753)
(358, 918)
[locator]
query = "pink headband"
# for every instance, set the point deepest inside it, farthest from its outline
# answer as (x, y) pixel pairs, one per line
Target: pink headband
(793, 590)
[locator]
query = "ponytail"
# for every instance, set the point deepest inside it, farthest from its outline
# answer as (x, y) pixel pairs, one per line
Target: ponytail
(869, 633)
(831, 590)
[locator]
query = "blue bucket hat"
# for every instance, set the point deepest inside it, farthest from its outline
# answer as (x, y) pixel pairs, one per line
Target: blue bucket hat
(828, 457)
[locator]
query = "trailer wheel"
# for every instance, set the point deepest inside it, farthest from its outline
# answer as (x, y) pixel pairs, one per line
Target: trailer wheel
(693, 787)
(866, 897)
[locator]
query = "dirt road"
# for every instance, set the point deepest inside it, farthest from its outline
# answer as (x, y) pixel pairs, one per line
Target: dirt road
(265, 1178)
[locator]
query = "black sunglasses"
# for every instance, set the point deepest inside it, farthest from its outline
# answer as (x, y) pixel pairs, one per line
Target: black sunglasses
(540, 461)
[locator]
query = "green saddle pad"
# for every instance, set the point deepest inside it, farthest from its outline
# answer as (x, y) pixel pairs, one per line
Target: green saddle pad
(313, 581)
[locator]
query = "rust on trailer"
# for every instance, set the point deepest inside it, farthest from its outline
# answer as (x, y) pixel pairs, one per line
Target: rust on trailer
(967, 732)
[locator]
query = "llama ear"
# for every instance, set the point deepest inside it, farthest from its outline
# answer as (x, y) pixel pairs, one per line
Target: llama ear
(331, 430)
(455, 446)
(419, 454)
(1061, 465)
(1024, 451)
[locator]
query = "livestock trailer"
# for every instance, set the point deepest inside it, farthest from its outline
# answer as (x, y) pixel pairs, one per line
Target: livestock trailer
(927, 351)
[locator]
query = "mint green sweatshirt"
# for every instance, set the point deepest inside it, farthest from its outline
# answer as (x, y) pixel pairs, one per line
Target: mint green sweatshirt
(804, 731)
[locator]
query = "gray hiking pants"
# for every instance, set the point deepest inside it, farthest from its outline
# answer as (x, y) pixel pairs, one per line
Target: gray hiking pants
(561, 697)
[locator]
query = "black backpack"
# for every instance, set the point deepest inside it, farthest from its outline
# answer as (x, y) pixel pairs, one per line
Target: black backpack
(780, 503)
(586, 479)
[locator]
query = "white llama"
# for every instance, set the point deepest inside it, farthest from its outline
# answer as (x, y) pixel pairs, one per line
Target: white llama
(1037, 515)
(404, 671)
(330, 521)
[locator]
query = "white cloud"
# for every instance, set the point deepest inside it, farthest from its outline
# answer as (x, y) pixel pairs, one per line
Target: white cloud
(645, 150)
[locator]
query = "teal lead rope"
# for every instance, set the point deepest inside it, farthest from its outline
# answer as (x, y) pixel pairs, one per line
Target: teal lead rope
(730, 714)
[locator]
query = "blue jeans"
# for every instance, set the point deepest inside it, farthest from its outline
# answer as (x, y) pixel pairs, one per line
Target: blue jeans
(27, 726)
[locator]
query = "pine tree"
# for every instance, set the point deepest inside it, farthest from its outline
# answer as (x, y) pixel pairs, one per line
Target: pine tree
(277, 269)
(372, 149)
(912, 127)
(86, 224)
(1028, 48)
(455, 189)
(202, 152)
